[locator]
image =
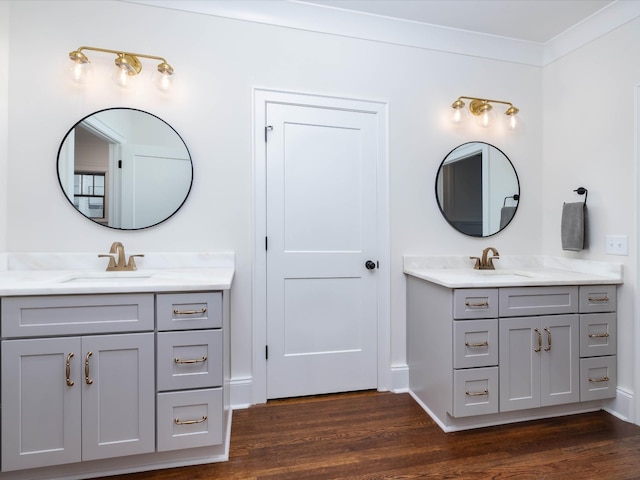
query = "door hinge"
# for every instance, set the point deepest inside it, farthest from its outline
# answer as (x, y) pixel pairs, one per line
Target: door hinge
(119, 163)
(267, 129)
(266, 352)
(266, 243)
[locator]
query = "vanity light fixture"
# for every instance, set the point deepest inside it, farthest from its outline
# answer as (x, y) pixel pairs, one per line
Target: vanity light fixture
(128, 65)
(482, 109)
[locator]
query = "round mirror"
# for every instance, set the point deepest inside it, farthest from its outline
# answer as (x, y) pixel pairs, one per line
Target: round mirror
(124, 168)
(477, 189)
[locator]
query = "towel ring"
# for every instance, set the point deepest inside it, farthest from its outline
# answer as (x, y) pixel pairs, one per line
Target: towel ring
(515, 196)
(582, 191)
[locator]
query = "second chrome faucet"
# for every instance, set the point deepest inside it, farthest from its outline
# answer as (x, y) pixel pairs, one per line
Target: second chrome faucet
(486, 262)
(121, 264)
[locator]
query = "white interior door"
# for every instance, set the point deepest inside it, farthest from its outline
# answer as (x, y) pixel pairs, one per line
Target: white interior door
(321, 230)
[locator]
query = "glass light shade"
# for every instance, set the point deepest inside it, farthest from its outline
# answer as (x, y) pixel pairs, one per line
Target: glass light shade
(486, 118)
(121, 77)
(458, 115)
(80, 72)
(163, 81)
(512, 122)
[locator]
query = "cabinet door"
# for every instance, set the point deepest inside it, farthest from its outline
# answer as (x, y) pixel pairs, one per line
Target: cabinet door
(40, 409)
(520, 363)
(560, 359)
(118, 408)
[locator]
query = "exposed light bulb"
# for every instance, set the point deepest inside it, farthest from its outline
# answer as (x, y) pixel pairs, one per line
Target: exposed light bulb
(121, 77)
(80, 72)
(163, 81)
(486, 118)
(512, 122)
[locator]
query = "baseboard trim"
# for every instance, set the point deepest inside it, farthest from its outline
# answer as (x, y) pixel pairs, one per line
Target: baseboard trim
(622, 406)
(399, 378)
(240, 395)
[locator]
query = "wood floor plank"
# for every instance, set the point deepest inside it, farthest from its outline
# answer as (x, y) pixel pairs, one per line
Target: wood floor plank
(376, 436)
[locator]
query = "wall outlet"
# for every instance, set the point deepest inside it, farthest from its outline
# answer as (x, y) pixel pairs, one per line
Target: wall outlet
(617, 245)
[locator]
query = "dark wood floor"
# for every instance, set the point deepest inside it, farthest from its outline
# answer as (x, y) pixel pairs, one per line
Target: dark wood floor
(371, 435)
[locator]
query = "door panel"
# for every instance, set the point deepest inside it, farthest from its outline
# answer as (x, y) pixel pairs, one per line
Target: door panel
(321, 228)
(560, 359)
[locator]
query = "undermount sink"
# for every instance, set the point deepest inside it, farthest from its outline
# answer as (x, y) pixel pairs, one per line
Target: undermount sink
(505, 273)
(119, 277)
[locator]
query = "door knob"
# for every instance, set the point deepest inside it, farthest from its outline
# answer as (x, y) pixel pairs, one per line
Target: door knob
(370, 264)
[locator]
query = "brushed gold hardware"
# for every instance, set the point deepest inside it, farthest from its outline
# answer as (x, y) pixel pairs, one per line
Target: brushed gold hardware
(480, 107)
(539, 340)
(478, 394)
(87, 379)
(598, 335)
(70, 382)
(474, 305)
(121, 265)
(177, 421)
(599, 299)
(481, 344)
(548, 347)
(599, 379)
(486, 263)
(189, 312)
(195, 360)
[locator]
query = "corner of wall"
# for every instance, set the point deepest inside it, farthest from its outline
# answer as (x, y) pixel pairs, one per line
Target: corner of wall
(4, 116)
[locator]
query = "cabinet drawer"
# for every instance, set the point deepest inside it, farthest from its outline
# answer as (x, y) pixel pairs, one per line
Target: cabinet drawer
(531, 301)
(189, 419)
(475, 303)
(597, 298)
(475, 391)
(598, 334)
(189, 359)
(598, 378)
(475, 343)
(76, 314)
(187, 311)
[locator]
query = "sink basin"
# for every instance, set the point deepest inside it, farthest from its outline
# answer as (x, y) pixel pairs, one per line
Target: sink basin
(118, 277)
(505, 273)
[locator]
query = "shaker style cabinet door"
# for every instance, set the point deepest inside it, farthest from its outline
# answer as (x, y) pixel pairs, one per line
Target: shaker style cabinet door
(41, 402)
(118, 395)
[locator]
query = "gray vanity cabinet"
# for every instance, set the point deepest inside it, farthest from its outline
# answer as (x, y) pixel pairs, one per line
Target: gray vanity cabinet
(76, 398)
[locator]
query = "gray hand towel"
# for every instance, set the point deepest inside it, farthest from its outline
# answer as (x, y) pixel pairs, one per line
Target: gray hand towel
(506, 214)
(572, 229)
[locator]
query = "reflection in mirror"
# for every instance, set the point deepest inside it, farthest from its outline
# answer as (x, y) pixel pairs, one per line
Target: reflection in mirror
(477, 189)
(124, 168)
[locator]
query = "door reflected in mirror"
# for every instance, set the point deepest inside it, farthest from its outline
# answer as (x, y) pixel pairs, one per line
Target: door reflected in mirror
(477, 189)
(124, 168)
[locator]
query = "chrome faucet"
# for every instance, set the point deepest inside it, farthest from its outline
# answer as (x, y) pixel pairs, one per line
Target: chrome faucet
(486, 262)
(121, 264)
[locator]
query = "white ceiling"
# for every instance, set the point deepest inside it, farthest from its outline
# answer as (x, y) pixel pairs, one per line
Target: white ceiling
(531, 20)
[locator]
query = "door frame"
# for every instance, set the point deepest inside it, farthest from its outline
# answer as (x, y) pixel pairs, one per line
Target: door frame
(261, 98)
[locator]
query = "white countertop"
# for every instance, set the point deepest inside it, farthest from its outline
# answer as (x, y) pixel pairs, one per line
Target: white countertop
(83, 273)
(456, 271)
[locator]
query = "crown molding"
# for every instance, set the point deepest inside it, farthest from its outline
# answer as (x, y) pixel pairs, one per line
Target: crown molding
(346, 23)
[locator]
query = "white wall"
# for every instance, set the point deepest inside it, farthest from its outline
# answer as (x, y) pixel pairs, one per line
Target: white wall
(589, 102)
(218, 61)
(4, 116)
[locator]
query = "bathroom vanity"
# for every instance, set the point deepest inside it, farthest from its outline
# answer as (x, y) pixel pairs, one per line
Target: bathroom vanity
(113, 372)
(530, 339)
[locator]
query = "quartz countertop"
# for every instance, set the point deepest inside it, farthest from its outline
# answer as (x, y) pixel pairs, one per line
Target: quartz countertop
(456, 271)
(83, 273)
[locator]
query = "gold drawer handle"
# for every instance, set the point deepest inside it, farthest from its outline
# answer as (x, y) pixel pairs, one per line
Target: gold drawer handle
(548, 347)
(87, 378)
(68, 370)
(598, 380)
(598, 335)
(177, 421)
(476, 305)
(478, 394)
(189, 312)
(481, 344)
(539, 347)
(599, 299)
(195, 360)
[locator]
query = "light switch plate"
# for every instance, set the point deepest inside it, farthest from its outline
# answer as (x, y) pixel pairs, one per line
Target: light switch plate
(617, 245)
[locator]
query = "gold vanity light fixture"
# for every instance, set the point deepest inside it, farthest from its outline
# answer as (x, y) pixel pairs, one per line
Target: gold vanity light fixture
(482, 109)
(128, 65)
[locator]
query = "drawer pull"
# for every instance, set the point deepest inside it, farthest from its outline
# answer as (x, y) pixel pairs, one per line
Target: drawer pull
(539, 340)
(477, 305)
(481, 344)
(177, 421)
(87, 378)
(189, 312)
(598, 335)
(478, 394)
(68, 370)
(195, 360)
(599, 379)
(599, 299)
(548, 347)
